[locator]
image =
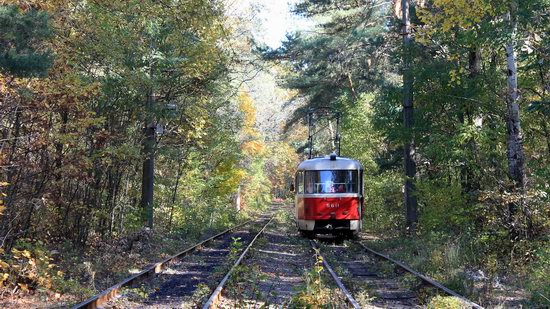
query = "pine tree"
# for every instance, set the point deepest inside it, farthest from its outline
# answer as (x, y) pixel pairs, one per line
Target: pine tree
(22, 35)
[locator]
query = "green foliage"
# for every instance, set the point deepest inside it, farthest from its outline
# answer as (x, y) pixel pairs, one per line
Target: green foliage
(72, 141)
(314, 293)
(22, 40)
(460, 131)
(280, 168)
(443, 208)
(446, 302)
(357, 125)
(383, 202)
(444, 258)
(330, 67)
(539, 281)
(72, 169)
(201, 294)
(244, 284)
(235, 248)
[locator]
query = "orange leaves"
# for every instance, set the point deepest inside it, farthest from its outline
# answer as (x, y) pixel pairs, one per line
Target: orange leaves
(65, 91)
(253, 148)
(3, 276)
(24, 287)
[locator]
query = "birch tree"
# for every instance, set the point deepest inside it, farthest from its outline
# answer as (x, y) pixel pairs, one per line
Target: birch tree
(515, 153)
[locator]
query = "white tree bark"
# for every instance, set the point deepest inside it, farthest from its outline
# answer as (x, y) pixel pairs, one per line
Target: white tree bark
(516, 158)
(515, 153)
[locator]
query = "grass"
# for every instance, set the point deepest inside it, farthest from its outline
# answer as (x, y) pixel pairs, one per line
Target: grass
(463, 267)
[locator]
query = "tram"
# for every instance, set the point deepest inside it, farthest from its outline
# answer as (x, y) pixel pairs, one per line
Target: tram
(329, 196)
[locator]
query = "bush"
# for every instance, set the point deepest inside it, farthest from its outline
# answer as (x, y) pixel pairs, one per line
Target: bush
(442, 207)
(383, 202)
(539, 281)
(27, 268)
(446, 302)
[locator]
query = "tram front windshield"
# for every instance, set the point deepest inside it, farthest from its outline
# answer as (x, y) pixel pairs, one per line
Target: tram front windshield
(331, 182)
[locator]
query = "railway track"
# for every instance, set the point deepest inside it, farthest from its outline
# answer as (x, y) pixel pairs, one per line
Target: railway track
(348, 296)
(377, 284)
(199, 274)
(181, 277)
(214, 298)
(360, 275)
(273, 271)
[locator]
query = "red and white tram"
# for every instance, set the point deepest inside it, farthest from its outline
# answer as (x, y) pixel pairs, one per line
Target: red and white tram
(329, 196)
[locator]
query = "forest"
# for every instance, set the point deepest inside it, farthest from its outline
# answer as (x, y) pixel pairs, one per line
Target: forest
(151, 123)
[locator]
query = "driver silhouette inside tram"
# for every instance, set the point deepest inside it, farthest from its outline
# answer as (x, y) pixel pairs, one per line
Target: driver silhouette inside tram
(328, 187)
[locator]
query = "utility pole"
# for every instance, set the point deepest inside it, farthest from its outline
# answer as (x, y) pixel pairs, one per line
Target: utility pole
(408, 108)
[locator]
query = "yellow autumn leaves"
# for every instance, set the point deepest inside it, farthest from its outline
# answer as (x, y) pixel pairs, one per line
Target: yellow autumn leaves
(25, 270)
(449, 14)
(252, 145)
(449, 17)
(2, 197)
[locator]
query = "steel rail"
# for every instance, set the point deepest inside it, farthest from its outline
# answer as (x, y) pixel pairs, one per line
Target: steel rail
(421, 276)
(341, 285)
(113, 291)
(215, 296)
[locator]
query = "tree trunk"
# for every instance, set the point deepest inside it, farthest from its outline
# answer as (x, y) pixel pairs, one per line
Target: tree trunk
(469, 182)
(15, 138)
(546, 134)
(332, 137)
(148, 163)
(238, 199)
(409, 164)
(175, 194)
(515, 154)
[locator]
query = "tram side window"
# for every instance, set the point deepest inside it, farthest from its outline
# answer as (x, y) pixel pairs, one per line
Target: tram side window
(342, 181)
(300, 182)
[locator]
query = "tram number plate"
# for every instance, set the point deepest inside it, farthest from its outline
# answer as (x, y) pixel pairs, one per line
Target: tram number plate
(333, 205)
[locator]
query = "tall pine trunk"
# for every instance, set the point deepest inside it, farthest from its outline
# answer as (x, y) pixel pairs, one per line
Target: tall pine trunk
(409, 164)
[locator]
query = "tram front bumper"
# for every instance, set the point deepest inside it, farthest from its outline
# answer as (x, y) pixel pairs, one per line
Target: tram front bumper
(328, 226)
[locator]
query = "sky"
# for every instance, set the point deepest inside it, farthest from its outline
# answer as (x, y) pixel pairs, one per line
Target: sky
(276, 20)
(269, 21)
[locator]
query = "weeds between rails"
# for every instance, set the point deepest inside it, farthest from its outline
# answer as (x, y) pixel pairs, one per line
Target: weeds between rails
(375, 280)
(214, 298)
(154, 271)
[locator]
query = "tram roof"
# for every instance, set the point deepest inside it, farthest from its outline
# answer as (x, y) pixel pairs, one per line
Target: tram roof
(325, 163)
